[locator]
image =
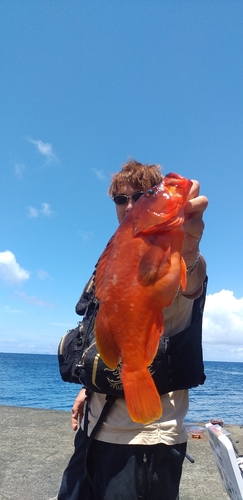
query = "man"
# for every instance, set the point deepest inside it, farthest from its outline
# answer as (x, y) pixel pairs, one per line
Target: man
(128, 460)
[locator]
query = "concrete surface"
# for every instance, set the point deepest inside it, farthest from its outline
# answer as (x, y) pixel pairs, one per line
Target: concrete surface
(37, 444)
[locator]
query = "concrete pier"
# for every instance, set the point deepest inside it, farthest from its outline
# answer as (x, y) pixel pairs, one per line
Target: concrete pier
(36, 446)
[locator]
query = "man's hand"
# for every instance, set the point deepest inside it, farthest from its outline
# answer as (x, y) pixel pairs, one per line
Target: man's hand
(193, 227)
(78, 409)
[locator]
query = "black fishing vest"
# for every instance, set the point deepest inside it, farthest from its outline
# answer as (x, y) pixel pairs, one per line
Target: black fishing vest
(177, 365)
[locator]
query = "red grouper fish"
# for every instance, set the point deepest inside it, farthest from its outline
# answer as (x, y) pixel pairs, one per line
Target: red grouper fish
(138, 274)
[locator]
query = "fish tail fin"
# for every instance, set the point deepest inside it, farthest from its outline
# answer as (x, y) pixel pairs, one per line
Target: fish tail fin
(142, 398)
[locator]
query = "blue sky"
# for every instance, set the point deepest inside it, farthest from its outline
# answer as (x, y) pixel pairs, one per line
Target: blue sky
(84, 86)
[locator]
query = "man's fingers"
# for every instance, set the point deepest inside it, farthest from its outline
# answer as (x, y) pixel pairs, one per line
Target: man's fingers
(78, 409)
(74, 419)
(194, 191)
(74, 424)
(195, 207)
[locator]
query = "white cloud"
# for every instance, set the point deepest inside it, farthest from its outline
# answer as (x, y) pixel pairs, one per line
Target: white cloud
(85, 235)
(33, 212)
(10, 270)
(36, 301)
(19, 169)
(44, 210)
(43, 275)
(223, 326)
(99, 174)
(45, 149)
(8, 309)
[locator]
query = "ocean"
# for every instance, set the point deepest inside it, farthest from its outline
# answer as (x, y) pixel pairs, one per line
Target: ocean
(33, 381)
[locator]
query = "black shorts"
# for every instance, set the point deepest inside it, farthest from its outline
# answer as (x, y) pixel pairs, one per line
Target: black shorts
(123, 472)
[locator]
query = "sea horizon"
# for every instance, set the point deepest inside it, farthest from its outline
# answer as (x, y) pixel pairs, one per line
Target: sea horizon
(55, 354)
(34, 381)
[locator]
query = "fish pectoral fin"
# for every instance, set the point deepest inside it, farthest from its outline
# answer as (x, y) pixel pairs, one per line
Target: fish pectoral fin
(106, 344)
(153, 340)
(183, 279)
(154, 264)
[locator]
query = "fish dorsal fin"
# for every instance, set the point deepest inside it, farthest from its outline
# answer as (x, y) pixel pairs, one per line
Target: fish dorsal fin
(153, 265)
(149, 222)
(100, 269)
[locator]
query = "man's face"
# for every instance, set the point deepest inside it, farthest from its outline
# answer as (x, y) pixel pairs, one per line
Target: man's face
(122, 210)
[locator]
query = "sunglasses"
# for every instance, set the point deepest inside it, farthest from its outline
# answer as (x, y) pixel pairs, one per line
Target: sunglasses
(122, 199)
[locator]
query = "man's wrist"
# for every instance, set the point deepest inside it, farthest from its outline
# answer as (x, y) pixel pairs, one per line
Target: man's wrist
(190, 269)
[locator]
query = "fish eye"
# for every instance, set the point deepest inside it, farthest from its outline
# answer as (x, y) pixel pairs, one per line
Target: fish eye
(150, 192)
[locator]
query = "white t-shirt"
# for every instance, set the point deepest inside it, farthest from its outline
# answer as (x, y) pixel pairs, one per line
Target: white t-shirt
(169, 429)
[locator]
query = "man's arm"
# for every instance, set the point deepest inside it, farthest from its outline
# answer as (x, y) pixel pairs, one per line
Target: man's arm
(194, 226)
(78, 409)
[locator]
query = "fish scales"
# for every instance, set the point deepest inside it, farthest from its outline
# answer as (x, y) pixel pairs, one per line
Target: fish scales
(138, 275)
